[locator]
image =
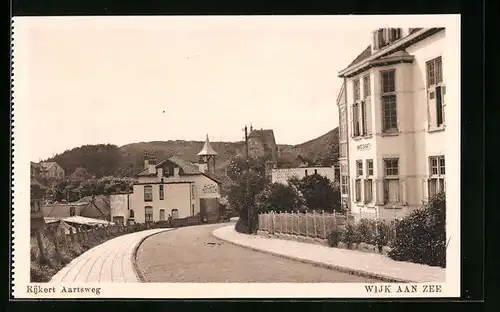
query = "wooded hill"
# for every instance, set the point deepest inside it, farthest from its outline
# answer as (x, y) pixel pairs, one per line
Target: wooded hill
(110, 160)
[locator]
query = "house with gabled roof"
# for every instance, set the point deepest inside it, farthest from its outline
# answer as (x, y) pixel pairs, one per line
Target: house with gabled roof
(392, 122)
(173, 187)
(47, 170)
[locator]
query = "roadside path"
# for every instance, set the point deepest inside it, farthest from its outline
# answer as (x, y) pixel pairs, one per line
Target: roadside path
(355, 262)
(112, 261)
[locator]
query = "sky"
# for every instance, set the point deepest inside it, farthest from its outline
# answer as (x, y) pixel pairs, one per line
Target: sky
(128, 79)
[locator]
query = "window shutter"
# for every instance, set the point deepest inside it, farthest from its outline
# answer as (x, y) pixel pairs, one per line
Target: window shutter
(431, 99)
(368, 113)
(403, 188)
(353, 189)
(425, 189)
(379, 191)
(351, 118)
(361, 112)
(443, 101)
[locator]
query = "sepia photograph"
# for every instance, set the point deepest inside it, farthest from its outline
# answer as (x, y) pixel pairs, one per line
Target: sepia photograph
(236, 156)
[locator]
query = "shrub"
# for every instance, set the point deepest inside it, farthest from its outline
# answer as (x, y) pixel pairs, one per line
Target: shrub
(382, 235)
(366, 230)
(349, 233)
(333, 238)
(421, 236)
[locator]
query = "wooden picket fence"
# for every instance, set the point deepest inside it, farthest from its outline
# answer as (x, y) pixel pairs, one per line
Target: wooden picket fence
(311, 224)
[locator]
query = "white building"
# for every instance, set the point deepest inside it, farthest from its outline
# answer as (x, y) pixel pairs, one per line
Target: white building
(173, 187)
(392, 123)
(283, 175)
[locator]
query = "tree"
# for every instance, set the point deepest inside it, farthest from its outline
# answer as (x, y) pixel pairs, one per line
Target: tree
(81, 173)
(278, 197)
(100, 160)
(236, 168)
(241, 198)
(319, 193)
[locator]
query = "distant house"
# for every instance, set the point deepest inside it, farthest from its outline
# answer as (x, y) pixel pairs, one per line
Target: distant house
(174, 187)
(97, 207)
(261, 143)
(47, 170)
(282, 175)
(297, 162)
(37, 192)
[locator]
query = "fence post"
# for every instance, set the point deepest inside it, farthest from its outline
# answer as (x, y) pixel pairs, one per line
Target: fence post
(292, 224)
(286, 222)
(298, 222)
(314, 224)
(53, 236)
(43, 258)
(324, 224)
(281, 222)
(65, 239)
(272, 222)
(307, 234)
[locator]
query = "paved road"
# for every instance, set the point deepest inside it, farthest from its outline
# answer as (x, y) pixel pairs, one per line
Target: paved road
(192, 254)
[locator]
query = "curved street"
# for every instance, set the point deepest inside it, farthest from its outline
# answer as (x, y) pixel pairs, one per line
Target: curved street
(192, 254)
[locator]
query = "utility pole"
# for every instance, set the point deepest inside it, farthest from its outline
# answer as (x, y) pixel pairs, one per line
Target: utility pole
(247, 182)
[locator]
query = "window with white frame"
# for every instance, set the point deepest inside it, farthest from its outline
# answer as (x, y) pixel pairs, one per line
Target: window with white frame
(148, 193)
(344, 180)
(148, 214)
(356, 131)
(162, 192)
(366, 86)
(389, 107)
(344, 183)
(369, 181)
(162, 214)
(437, 173)
(436, 92)
(342, 124)
(357, 186)
(357, 182)
(359, 168)
(356, 90)
(391, 180)
(193, 191)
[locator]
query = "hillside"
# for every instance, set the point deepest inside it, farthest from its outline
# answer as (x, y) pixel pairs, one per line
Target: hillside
(128, 159)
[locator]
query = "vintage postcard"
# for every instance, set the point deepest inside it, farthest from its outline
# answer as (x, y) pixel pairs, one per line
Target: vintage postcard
(236, 157)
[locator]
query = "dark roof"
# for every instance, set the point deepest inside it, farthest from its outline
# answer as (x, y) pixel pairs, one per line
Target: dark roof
(99, 202)
(266, 136)
(186, 166)
(46, 165)
(367, 52)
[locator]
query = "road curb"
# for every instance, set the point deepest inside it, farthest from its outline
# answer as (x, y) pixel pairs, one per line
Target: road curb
(338, 268)
(138, 272)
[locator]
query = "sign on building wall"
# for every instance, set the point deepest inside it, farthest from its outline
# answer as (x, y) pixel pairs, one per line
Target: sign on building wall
(210, 188)
(363, 147)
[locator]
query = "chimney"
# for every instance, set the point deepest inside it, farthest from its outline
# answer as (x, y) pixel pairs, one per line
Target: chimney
(152, 166)
(146, 160)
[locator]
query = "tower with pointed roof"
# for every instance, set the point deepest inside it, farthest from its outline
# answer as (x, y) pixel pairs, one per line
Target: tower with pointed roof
(207, 156)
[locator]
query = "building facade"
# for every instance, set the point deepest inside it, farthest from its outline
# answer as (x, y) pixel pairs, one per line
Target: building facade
(283, 175)
(171, 188)
(262, 144)
(392, 123)
(46, 170)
